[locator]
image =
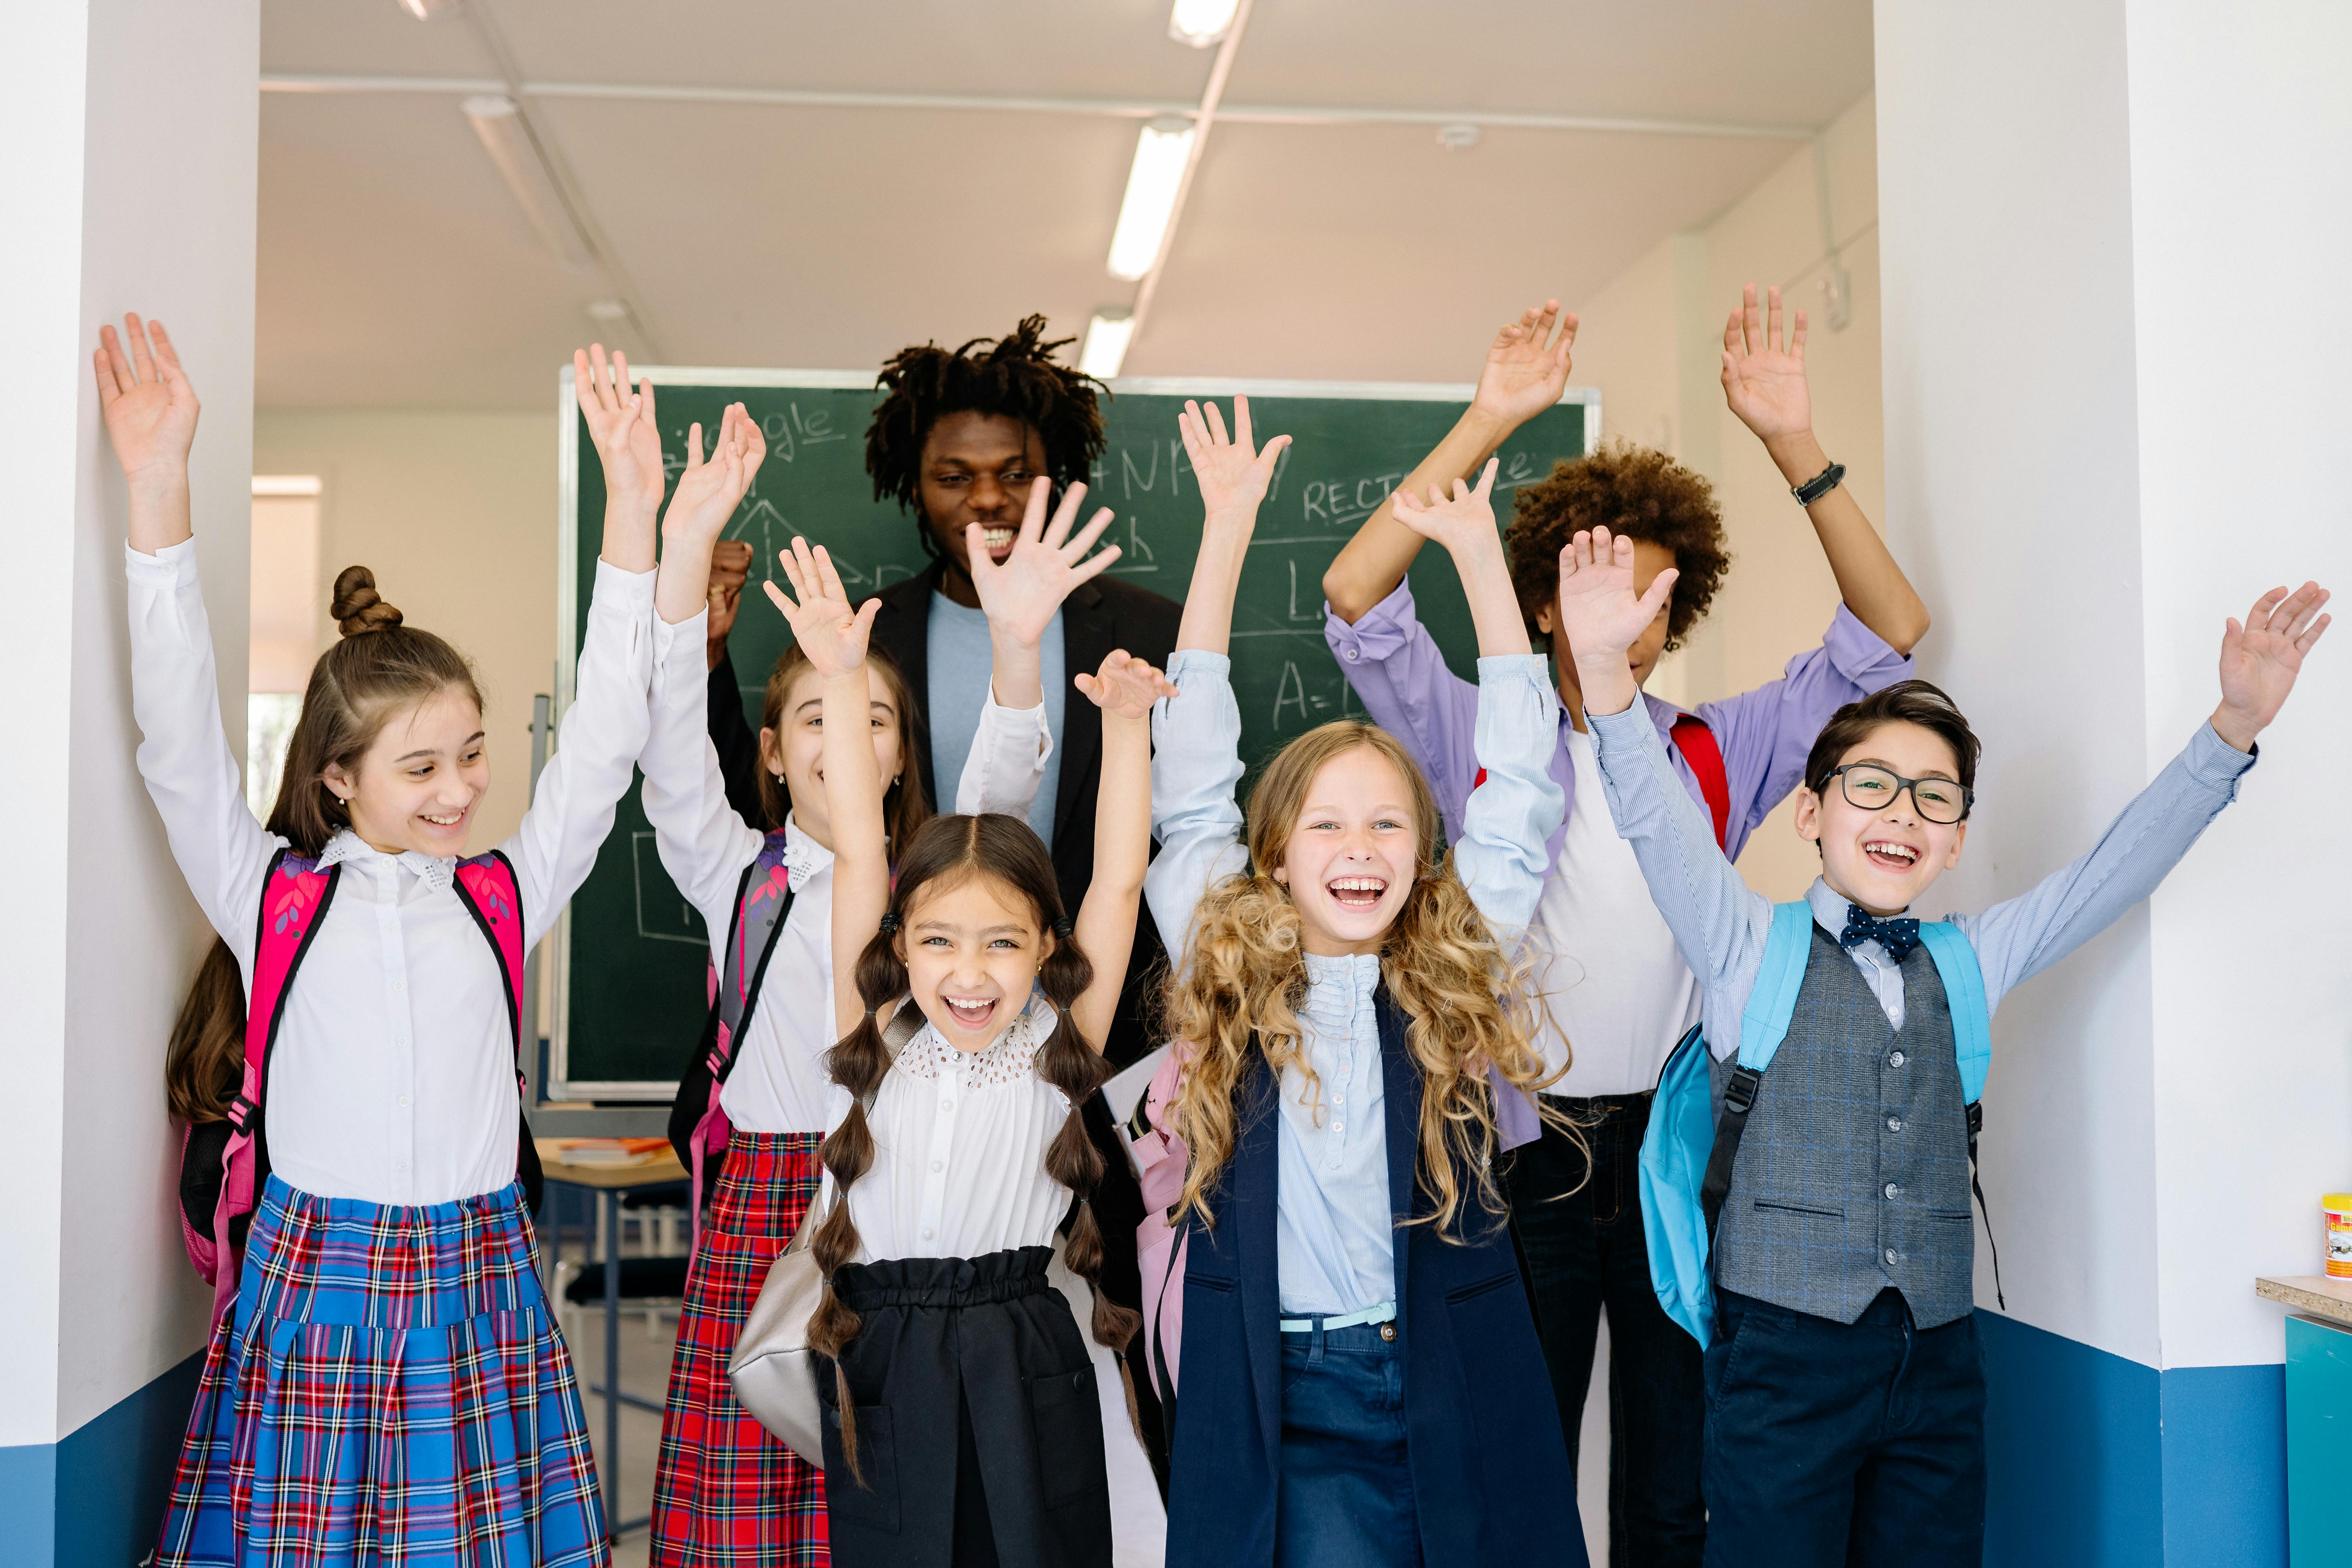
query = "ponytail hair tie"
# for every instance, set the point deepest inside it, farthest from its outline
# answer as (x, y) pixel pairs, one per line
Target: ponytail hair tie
(890, 922)
(1062, 927)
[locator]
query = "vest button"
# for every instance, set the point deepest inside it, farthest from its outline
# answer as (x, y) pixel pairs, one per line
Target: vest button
(1892, 1189)
(1890, 1258)
(1895, 1060)
(1895, 1124)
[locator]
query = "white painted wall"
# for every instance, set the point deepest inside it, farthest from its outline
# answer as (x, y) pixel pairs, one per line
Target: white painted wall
(130, 185)
(2111, 420)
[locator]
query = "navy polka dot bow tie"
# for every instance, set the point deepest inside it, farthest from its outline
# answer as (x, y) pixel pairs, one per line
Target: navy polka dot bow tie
(1897, 936)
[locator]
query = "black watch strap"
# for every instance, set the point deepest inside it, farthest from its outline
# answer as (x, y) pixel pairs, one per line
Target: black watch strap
(1820, 485)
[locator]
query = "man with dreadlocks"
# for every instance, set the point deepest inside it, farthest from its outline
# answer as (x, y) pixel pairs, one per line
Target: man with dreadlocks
(959, 438)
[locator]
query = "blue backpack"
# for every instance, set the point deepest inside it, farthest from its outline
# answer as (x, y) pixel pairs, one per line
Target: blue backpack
(1688, 1150)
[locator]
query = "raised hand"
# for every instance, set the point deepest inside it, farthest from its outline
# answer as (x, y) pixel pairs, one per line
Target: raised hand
(2260, 659)
(709, 492)
(1598, 611)
(730, 568)
(148, 405)
(1462, 523)
(1021, 594)
(1524, 374)
(1125, 686)
(828, 630)
(621, 423)
(1233, 475)
(1764, 382)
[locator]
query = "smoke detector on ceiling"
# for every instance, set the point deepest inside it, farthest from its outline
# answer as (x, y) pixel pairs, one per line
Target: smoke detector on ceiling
(1458, 138)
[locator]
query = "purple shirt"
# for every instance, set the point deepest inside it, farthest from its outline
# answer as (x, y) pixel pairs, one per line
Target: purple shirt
(1765, 735)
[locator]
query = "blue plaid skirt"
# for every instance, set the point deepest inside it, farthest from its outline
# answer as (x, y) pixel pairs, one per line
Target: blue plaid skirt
(390, 1386)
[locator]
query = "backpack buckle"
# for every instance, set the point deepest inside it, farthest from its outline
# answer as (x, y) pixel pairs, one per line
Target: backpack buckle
(241, 1112)
(1739, 1094)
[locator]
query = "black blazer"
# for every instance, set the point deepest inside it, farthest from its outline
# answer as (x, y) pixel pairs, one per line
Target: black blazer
(1100, 615)
(1489, 1466)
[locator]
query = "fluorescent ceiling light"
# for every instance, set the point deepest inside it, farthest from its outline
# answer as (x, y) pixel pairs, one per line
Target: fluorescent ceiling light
(425, 10)
(284, 484)
(499, 124)
(1161, 151)
(1105, 346)
(1199, 23)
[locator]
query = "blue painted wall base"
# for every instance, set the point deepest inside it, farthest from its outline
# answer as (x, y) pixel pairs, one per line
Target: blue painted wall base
(2098, 1461)
(95, 1500)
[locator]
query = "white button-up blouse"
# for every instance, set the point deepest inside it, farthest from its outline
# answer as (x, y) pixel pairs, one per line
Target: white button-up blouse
(393, 1076)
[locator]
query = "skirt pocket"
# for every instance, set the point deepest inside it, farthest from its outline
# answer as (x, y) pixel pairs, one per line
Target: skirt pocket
(869, 1501)
(1066, 1417)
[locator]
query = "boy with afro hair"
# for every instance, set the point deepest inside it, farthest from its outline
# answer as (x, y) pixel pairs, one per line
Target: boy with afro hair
(1612, 980)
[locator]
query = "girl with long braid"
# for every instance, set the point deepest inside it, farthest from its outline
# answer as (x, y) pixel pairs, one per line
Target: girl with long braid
(962, 1416)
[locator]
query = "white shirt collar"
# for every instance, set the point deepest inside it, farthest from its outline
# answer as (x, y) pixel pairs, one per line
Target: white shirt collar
(438, 872)
(803, 855)
(1830, 907)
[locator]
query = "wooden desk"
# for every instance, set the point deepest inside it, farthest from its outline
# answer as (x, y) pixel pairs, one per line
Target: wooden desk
(608, 1184)
(2316, 1294)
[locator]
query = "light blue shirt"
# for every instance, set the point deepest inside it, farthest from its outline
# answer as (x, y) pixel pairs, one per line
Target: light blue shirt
(1720, 924)
(960, 661)
(1335, 1249)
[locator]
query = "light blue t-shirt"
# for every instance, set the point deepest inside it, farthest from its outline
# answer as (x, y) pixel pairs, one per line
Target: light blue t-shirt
(960, 660)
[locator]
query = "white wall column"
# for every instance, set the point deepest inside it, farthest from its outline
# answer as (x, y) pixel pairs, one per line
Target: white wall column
(2114, 386)
(129, 185)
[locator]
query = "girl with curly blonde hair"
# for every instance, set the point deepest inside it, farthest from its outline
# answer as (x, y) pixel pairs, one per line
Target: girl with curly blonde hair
(1361, 1378)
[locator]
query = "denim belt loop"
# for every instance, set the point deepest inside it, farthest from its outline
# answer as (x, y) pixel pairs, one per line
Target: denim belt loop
(1315, 1345)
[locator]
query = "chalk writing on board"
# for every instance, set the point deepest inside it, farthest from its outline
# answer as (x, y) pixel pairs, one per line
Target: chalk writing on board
(1289, 691)
(662, 914)
(1339, 502)
(1314, 611)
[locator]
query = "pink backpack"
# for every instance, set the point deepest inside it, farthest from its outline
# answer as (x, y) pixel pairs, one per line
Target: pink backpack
(223, 1165)
(1162, 1159)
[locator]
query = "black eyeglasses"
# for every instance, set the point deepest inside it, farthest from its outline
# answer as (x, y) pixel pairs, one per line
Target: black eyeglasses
(1871, 787)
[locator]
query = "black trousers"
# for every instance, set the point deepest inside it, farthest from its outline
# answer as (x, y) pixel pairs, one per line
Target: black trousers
(1582, 1242)
(1832, 1444)
(980, 1440)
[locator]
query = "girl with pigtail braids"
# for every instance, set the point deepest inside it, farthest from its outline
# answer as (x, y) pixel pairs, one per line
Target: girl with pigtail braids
(960, 1154)
(1359, 1379)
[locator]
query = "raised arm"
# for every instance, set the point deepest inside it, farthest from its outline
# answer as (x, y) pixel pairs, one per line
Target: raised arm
(833, 635)
(621, 423)
(1464, 523)
(1764, 382)
(150, 410)
(2019, 939)
(1009, 750)
(1525, 370)
(1233, 476)
(1124, 689)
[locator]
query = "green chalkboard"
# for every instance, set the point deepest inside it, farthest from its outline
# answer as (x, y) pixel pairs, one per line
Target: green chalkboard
(629, 957)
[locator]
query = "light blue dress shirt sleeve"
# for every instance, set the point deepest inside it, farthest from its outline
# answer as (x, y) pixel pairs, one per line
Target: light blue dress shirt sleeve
(1508, 822)
(1196, 765)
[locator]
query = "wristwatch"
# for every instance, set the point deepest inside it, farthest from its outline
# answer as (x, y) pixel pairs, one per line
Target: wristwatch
(1820, 485)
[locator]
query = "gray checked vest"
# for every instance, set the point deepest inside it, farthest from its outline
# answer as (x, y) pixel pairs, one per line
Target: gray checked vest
(1853, 1175)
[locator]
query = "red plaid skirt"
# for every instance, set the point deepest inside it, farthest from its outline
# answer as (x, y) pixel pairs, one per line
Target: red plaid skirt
(726, 1493)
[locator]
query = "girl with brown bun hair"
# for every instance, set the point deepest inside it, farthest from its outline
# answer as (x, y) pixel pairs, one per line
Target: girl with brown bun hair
(962, 1420)
(1361, 1379)
(387, 1307)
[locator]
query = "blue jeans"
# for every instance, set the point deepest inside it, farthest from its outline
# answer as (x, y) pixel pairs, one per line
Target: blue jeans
(1832, 1444)
(1347, 1491)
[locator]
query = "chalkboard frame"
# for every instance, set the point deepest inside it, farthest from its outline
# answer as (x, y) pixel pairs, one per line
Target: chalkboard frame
(557, 960)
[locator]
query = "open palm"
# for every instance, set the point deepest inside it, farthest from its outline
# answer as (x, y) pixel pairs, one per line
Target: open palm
(1127, 686)
(621, 423)
(2260, 659)
(828, 630)
(1524, 374)
(1021, 594)
(148, 405)
(1462, 523)
(1764, 381)
(1599, 610)
(1232, 473)
(709, 492)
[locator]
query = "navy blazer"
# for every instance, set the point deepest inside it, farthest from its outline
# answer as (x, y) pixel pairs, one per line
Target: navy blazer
(1490, 1473)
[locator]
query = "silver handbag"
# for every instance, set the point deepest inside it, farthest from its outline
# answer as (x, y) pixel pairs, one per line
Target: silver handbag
(772, 1369)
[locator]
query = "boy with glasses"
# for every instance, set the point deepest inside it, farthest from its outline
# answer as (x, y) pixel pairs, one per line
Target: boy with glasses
(1853, 1429)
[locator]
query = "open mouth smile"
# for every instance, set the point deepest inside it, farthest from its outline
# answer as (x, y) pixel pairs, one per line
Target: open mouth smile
(998, 540)
(1360, 893)
(1891, 854)
(970, 1011)
(450, 819)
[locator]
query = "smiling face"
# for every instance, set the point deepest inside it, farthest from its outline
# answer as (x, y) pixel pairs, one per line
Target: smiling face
(1352, 853)
(417, 783)
(795, 752)
(978, 467)
(1883, 857)
(1649, 559)
(973, 946)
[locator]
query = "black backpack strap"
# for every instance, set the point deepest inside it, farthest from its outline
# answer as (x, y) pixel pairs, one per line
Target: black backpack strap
(1976, 1125)
(759, 976)
(1739, 1097)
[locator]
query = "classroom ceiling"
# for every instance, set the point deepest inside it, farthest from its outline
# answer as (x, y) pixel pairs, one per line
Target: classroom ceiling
(397, 268)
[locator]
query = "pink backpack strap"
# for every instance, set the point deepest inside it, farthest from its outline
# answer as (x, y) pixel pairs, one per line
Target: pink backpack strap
(486, 886)
(294, 894)
(760, 902)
